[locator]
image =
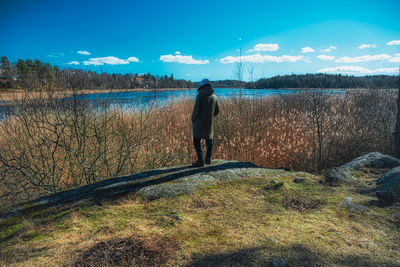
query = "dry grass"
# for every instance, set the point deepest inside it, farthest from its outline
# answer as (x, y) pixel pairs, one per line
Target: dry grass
(59, 147)
(236, 223)
(309, 132)
(129, 251)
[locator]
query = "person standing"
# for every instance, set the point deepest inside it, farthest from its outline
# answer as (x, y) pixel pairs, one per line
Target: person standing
(204, 111)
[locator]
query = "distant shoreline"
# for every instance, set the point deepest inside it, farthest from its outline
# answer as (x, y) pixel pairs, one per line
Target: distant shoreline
(20, 94)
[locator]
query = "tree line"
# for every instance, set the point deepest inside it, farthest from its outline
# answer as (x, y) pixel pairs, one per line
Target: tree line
(326, 81)
(36, 75)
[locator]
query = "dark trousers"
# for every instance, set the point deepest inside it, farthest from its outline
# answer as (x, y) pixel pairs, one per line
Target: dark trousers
(199, 151)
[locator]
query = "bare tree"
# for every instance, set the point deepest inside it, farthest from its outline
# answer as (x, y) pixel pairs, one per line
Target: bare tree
(397, 130)
(238, 70)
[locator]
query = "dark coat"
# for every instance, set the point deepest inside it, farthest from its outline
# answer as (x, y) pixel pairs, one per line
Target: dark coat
(204, 111)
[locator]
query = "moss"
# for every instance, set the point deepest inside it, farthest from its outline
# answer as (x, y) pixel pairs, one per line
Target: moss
(32, 208)
(11, 231)
(34, 235)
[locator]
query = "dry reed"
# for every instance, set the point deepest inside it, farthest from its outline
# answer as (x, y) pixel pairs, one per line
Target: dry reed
(55, 146)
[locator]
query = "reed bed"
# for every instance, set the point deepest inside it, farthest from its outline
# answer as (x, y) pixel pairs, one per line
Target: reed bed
(52, 146)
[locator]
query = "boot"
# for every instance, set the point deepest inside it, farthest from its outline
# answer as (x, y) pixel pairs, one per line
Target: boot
(207, 161)
(198, 163)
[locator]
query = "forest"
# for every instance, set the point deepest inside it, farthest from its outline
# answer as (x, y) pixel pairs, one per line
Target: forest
(36, 75)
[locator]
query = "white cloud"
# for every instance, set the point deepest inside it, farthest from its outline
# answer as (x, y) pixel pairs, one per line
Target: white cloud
(325, 57)
(98, 61)
(206, 74)
(386, 70)
(363, 46)
(263, 47)
(394, 42)
(356, 70)
(257, 58)
(330, 48)
(307, 49)
(73, 63)
(83, 52)
(365, 58)
(177, 53)
(133, 59)
(395, 58)
(178, 58)
(55, 55)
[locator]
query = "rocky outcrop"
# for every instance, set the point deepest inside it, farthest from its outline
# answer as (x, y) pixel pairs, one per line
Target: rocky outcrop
(154, 184)
(188, 184)
(389, 186)
(343, 173)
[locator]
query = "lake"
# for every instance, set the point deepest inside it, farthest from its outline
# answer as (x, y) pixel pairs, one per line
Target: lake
(137, 99)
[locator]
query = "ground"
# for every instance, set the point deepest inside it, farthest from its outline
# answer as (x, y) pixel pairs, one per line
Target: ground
(246, 221)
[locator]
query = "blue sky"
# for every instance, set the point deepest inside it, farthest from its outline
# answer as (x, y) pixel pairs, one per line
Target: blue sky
(197, 39)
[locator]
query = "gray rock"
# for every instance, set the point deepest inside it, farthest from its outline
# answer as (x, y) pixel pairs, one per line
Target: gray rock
(389, 186)
(347, 203)
(299, 180)
(373, 160)
(339, 175)
(189, 184)
(171, 189)
(152, 184)
(342, 174)
(278, 263)
(396, 215)
(272, 240)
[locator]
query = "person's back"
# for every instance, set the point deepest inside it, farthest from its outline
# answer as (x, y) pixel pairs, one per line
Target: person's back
(205, 109)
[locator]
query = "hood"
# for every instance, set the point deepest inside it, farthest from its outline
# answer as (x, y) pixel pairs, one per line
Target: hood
(206, 89)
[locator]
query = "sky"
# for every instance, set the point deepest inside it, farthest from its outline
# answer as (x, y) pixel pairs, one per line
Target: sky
(204, 39)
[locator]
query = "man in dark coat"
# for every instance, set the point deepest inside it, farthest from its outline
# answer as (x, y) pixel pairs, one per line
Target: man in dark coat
(204, 111)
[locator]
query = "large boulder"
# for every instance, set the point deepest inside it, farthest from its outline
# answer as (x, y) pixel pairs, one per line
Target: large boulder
(343, 173)
(389, 186)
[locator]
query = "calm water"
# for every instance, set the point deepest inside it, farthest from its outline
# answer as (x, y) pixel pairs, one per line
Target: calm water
(144, 98)
(133, 100)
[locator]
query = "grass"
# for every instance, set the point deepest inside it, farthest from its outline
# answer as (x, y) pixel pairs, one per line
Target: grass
(245, 222)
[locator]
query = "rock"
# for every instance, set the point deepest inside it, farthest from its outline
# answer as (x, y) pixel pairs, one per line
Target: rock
(152, 184)
(396, 215)
(276, 186)
(373, 160)
(299, 180)
(271, 240)
(339, 175)
(188, 184)
(389, 186)
(347, 203)
(174, 189)
(278, 263)
(342, 174)
(284, 168)
(174, 216)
